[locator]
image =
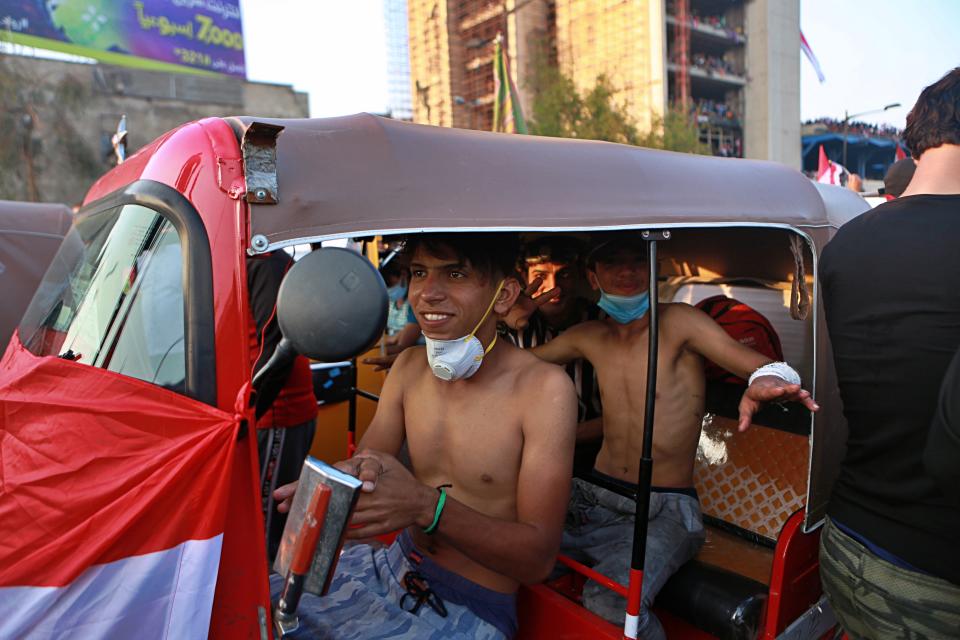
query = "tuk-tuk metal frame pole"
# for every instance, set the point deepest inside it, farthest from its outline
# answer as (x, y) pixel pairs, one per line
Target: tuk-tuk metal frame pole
(352, 411)
(641, 520)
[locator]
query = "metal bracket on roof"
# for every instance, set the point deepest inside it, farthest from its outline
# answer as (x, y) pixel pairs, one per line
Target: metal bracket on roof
(259, 149)
(655, 234)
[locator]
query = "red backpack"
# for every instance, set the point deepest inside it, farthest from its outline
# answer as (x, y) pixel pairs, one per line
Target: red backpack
(745, 325)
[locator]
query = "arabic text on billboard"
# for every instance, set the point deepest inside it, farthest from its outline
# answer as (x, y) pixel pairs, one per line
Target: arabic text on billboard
(205, 35)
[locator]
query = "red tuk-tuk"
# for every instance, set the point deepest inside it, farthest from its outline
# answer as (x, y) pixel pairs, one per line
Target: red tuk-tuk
(130, 502)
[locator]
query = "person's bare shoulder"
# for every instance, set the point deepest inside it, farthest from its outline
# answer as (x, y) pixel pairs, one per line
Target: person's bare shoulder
(538, 378)
(587, 330)
(680, 317)
(681, 309)
(685, 325)
(587, 327)
(411, 362)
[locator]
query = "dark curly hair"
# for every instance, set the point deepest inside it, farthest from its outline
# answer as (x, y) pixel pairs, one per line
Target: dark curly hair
(492, 254)
(935, 119)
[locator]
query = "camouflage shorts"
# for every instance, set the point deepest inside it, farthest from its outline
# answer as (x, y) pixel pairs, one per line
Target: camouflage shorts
(364, 602)
(876, 600)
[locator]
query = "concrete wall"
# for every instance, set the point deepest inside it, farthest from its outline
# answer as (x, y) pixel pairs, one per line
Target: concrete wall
(154, 103)
(772, 109)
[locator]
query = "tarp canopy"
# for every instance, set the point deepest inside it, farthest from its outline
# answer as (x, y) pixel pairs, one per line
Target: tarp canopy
(363, 173)
(30, 235)
(868, 156)
(842, 204)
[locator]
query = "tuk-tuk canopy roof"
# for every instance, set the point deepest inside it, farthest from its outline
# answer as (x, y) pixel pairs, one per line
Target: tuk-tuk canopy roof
(30, 234)
(362, 173)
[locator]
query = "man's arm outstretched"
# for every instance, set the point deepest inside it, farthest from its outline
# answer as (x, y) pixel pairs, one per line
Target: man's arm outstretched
(704, 336)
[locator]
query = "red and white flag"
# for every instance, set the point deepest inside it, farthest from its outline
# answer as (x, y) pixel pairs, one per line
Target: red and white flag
(899, 154)
(113, 503)
(807, 51)
(828, 171)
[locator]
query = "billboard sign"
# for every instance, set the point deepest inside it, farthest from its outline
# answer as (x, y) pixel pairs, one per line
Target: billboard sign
(168, 35)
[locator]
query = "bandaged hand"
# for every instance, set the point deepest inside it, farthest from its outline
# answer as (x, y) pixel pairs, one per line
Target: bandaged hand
(768, 384)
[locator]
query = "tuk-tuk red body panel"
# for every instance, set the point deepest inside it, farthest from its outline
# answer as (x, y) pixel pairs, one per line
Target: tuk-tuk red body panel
(202, 161)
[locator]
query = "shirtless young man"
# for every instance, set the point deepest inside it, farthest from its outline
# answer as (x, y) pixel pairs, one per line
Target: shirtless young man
(503, 463)
(600, 525)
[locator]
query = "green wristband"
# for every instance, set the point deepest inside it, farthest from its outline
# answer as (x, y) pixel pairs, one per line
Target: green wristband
(436, 515)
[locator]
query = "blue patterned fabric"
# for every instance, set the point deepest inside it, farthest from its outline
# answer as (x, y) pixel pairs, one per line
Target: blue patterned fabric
(364, 601)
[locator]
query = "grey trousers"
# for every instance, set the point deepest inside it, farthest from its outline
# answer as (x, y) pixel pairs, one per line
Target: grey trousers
(599, 533)
(876, 600)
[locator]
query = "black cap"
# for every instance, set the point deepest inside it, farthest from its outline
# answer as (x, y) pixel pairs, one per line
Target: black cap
(898, 176)
(610, 243)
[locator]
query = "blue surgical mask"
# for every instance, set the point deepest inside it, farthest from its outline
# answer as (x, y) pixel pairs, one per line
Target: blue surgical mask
(396, 292)
(624, 309)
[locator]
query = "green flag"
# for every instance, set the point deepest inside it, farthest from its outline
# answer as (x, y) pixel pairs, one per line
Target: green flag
(507, 113)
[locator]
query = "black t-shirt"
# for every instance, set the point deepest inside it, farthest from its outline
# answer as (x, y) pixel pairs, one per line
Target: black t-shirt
(942, 456)
(891, 291)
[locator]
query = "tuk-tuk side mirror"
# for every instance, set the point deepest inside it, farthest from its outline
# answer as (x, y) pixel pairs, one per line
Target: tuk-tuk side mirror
(332, 306)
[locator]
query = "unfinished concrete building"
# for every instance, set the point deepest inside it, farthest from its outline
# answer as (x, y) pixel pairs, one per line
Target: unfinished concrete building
(733, 64)
(451, 55)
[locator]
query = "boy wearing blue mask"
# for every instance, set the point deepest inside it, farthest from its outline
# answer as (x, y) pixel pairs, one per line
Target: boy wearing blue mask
(600, 522)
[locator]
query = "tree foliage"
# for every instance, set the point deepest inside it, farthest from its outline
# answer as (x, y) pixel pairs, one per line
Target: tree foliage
(561, 111)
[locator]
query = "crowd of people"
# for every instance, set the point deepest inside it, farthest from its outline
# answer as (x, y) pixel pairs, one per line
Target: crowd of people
(478, 519)
(711, 64)
(855, 127)
(714, 21)
(715, 112)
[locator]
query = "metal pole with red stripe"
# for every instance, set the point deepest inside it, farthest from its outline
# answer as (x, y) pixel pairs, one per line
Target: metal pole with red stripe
(635, 588)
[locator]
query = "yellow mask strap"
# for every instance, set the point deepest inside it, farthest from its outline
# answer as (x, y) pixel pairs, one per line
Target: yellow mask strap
(487, 350)
(487, 313)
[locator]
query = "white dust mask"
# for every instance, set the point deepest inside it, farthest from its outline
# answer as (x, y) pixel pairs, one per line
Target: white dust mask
(460, 358)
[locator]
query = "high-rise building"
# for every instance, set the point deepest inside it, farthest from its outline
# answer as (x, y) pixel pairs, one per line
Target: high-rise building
(451, 55)
(399, 103)
(733, 64)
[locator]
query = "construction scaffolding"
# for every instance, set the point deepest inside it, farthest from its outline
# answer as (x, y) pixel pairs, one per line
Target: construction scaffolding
(706, 62)
(681, 40)
(478, 23)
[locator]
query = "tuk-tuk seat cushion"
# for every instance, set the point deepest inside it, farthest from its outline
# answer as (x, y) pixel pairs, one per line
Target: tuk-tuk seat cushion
(725, 604)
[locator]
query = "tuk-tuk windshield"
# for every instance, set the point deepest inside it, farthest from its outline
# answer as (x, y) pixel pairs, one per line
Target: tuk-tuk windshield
(113, 297)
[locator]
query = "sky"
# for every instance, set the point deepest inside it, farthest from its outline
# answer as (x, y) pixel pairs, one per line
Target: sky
(872, 52)
(335, 50)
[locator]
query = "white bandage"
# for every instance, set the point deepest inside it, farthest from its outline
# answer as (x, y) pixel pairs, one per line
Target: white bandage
(779, 369)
